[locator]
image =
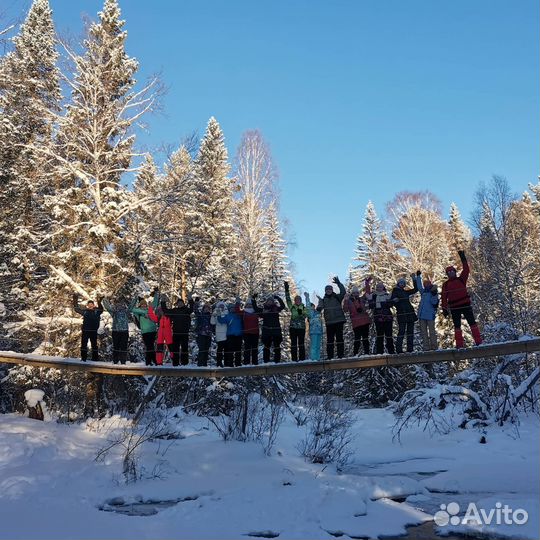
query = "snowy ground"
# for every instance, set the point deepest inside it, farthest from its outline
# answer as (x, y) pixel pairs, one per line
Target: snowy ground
(51, 487)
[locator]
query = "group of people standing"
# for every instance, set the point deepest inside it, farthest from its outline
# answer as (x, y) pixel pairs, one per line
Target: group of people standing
(238, 326)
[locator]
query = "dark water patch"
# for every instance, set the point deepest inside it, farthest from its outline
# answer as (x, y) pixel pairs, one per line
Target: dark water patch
(427, 531)
(141, 507)
(262, 534)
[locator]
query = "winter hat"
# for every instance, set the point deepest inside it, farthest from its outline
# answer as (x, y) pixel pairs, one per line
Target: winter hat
(380, 286)
(401, 282)
(329, 288)
(355, 290)
(450, 269)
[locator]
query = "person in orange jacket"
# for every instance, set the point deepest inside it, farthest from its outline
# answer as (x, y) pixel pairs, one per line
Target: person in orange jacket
(455, 301)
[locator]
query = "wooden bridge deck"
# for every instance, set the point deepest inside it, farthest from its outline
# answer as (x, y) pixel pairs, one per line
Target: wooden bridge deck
(363, 362)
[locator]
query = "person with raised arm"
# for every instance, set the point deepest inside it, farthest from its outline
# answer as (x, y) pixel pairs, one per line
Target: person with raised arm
(429, 300)
(180, 317)
(357, 305)
(315, 329)
(381, 306)
(271, 334)
(456, 302)
(203, 328)
(119, 312)
(148, 327)
(297, 325)
(233, 320)
(250, 333)
(334, 318)
(406, 316)
(220, 309)
(91, 314)
(164, 337)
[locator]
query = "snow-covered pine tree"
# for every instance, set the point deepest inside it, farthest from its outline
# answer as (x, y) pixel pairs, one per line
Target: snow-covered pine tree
(210, 255)
(89, 253)
(367, 245)
(256, 175)
(160, 224)
(275, 259)
(29, 99)
(459, 235)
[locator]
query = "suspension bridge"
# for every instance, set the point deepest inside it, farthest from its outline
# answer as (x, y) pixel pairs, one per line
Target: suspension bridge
(491, 350)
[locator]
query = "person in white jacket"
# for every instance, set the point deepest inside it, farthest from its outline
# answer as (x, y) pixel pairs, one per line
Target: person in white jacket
(220, 310)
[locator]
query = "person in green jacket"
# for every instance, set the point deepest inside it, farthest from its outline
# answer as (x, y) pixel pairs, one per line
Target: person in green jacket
(297, 326)
(148, 327)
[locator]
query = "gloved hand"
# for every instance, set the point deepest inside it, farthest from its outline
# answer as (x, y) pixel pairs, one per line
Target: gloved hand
(434, 290)
(418, 272)
(335, 280)
(445, 312)
(255, 296)
(461, 254)
(286, 283)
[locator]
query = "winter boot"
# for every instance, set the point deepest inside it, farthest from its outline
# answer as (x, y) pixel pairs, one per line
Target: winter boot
(476, 334)
(459, 338)
(159, 358)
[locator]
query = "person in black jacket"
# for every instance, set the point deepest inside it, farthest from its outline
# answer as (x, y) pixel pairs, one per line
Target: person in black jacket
(91, 318)
(271, 334)
(406, 316)
(181, 323)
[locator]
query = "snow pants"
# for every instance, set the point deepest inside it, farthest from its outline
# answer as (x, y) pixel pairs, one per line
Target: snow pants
(180, 349)
(268, 342)
(251, 349)
(429, 336)
(120, 344)
(220, 353)
(334, 334)
(405, 329)
(203, 343)
(361, 335)
(315, 341)
(384, 330)
(92, 336)
(149, 340)
(233, 355)
(298, 343)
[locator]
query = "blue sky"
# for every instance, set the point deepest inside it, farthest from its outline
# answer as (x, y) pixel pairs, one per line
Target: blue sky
(358, 99)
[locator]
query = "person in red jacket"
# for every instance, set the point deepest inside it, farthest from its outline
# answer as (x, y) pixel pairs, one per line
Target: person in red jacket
(455, 301)
(164, 333)
(250, 334)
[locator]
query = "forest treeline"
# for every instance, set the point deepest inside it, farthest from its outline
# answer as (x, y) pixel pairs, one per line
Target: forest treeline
(85, 211)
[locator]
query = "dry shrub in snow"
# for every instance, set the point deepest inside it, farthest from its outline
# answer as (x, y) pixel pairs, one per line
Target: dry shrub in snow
(328, 433)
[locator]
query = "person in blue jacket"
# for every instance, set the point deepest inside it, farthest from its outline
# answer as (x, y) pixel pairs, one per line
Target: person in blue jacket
(427, 310)
(315, 329)
(234, 322)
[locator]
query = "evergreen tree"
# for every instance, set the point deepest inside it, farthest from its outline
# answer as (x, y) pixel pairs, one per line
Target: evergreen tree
(459, 235)
(88, 210)
(275, 260)
(209, 218)
(29, 100)
(367, 245)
